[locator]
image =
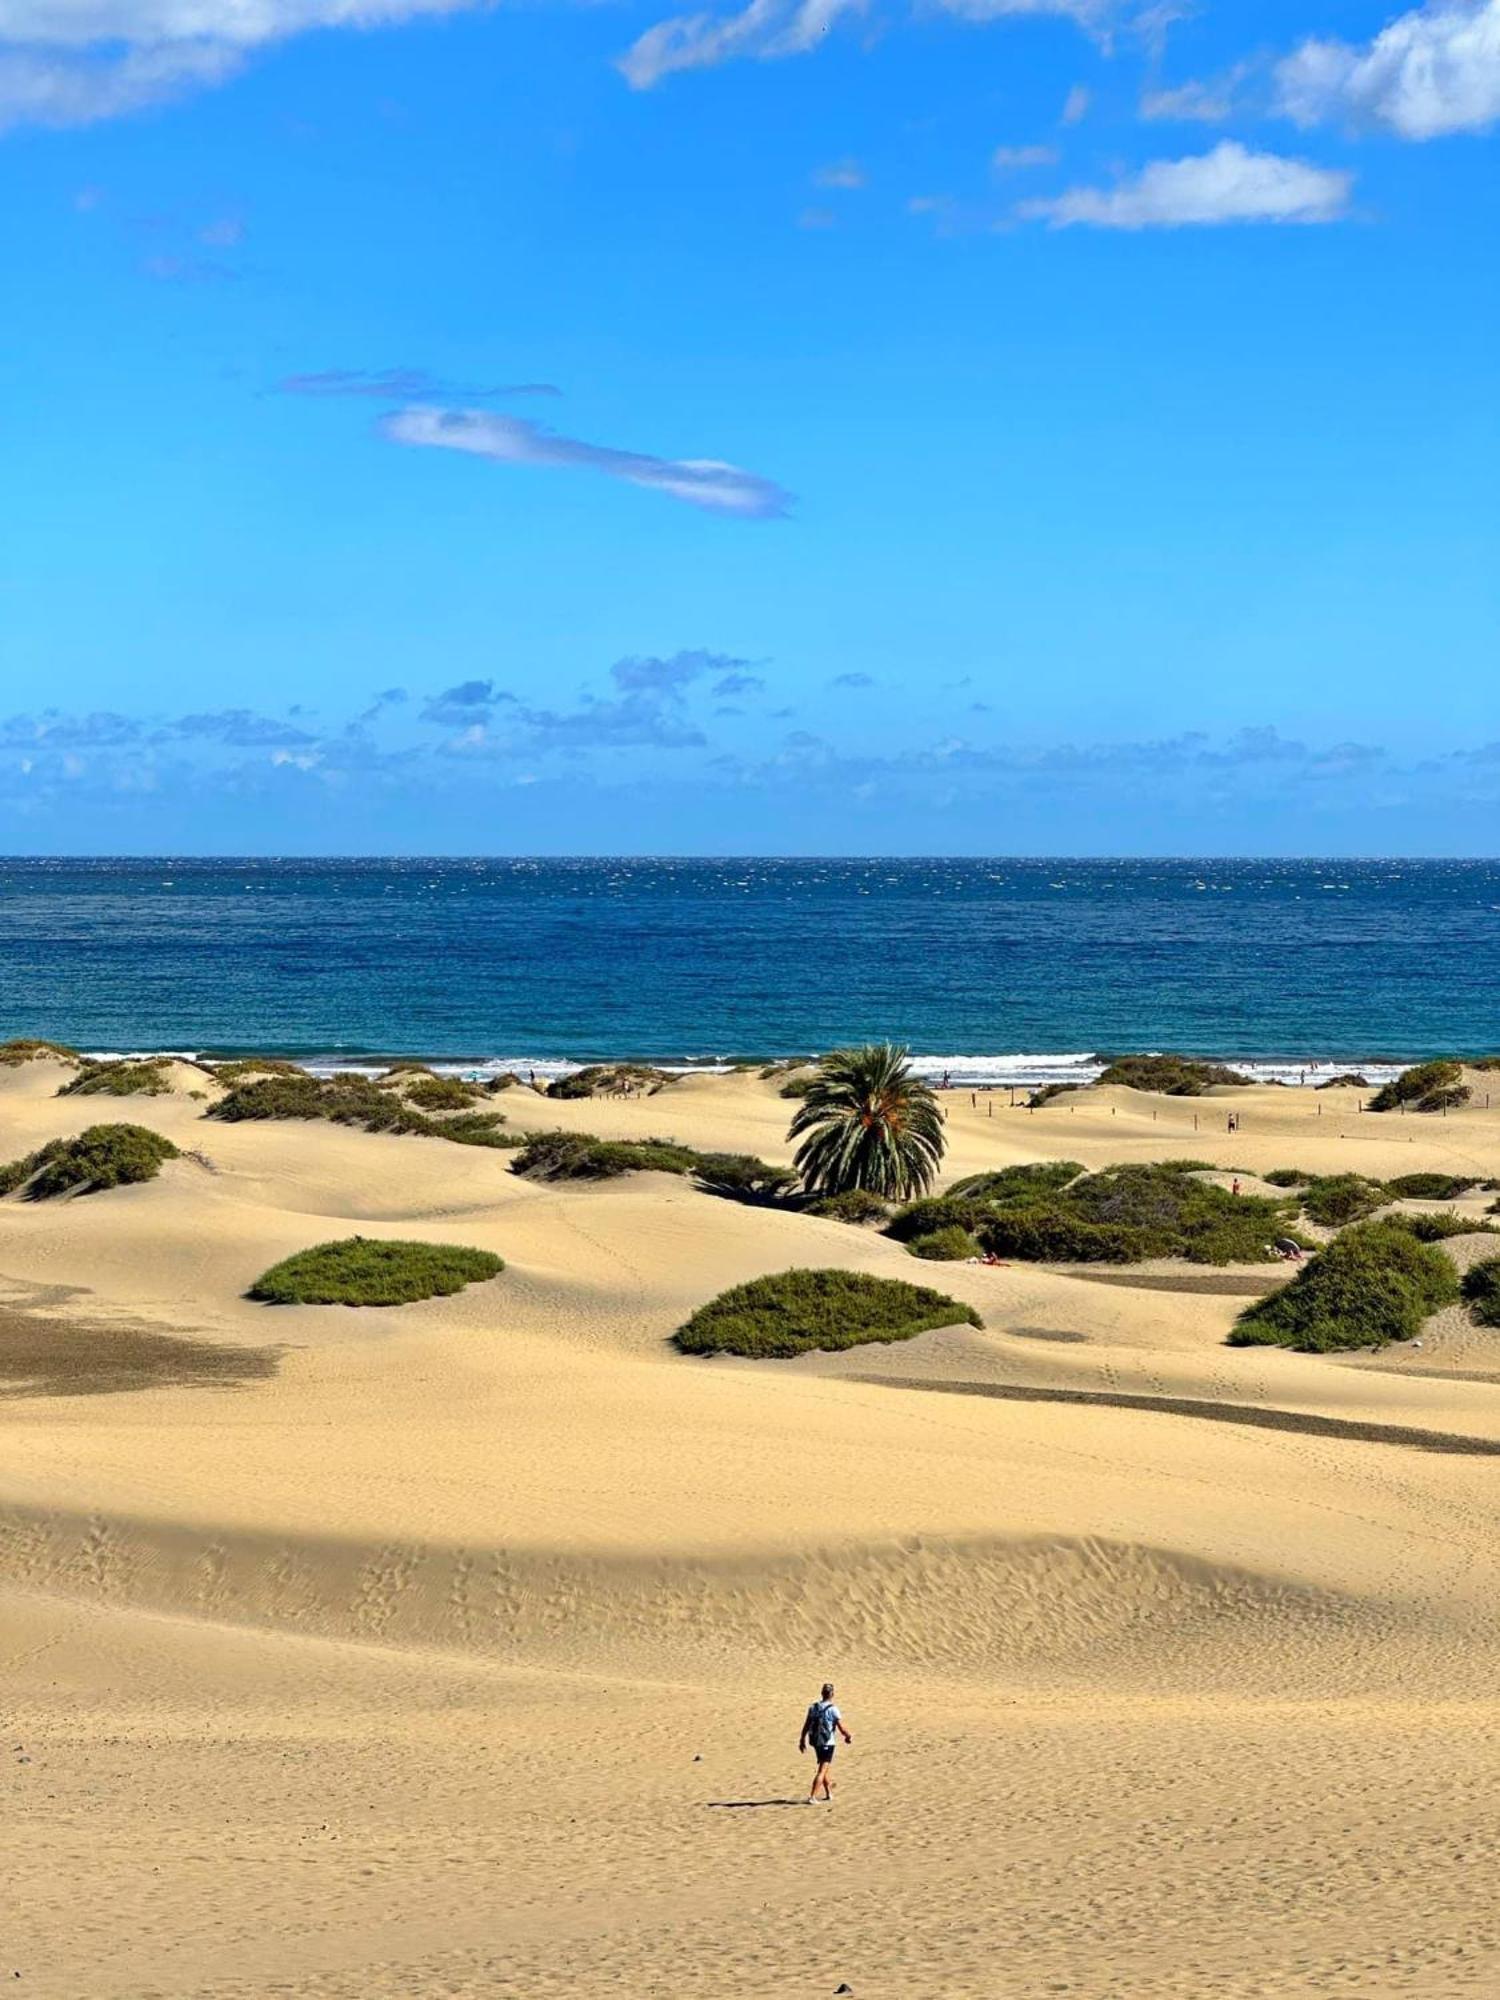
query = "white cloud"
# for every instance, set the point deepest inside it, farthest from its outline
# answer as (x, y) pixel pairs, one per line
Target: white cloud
(709, 483)
(1076, 104)
(1431, 72)
(1011, 159)
(1202, 103)
(75, 62)
(764, 30)
(1230, 184)
(845, 174)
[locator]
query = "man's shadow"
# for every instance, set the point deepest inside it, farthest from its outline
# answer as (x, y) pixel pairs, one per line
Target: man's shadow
(750, 1805)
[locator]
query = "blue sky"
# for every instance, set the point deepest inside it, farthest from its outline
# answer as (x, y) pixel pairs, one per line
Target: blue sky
(982, 426)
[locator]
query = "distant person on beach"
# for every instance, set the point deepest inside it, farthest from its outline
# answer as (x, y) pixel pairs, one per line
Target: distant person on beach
(822, 1728)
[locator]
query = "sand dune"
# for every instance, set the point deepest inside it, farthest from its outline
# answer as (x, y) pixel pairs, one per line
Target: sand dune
(374, 1657)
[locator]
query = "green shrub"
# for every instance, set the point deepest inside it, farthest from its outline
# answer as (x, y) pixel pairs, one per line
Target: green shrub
(1429, 1086)
(365, 1271)
(103, 1156)
(797, 1312)
(1438, 1226)
(796, 1087)
(1287, 1177)
(442, 1093)
(13, 1054)
(241, 1070)
(1169, 1076)
(119, 1079)
(1050, 1235)
(934, 1212)
(854, 1205)
(1332, 1200)
(742, 1177)
(1199, 1220)
(1193, 1167)
(1373, 1284)
(576, 1156)
(1048, 1094)
(343, 1100)
(1350, 1080)
(1430, 1187)
(945, 1246)
(1447, 1099)
(477, 1128)
(1024, 1183)
(1481, 1289)
(609, 1079)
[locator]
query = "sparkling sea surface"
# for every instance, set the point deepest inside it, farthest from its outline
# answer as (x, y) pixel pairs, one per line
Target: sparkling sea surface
(995, 970)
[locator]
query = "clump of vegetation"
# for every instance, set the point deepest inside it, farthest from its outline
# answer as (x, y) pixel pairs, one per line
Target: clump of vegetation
(1350, 1080)
(1024, 1183)
(1481, 1290)
(1195, 1167)
(244, 1068)
(576, 1156)
(25, 1050)
(120, 1079)
(742, 1177)
(1437, 1225)
(868, 1121)
(610, 1080)
(1332, 1200)
(1125, 1214)
(798, 1312)
(946, 1246)
(477, 1128)
(796, 1087)
(368, 1271)
(937, 1211)
(1287, 1177)
(442, 1093)
(1430, 1187)
(1169, 1076)
(853, 1206)
(1373, 1284)
(1047, 1093)
(102, 1156)
(1429, 1086)
(343, 1100)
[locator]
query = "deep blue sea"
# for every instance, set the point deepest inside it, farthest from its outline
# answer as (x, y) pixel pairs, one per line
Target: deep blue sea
(997, 970)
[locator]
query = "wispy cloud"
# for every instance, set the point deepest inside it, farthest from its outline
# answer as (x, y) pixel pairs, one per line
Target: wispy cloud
(1201, 103)
(1433, 71)
(1076, 104)
(709, 483)
(1228, 185)
(1018, 159)
(402, 385)
(769, 30)
(845, 174)
(75, 62)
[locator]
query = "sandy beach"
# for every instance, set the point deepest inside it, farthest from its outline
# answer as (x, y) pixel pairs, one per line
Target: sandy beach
(460, 1648)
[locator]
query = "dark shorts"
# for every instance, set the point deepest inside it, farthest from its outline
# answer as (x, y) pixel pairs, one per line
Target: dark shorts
(824, 1751)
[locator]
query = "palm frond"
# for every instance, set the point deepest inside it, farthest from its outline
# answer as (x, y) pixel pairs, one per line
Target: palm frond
(870, 1123)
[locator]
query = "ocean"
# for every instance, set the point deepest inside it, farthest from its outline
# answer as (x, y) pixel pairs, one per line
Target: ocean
(1000, 971)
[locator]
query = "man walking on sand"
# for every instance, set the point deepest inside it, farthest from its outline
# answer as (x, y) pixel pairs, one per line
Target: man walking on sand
(822, 1728)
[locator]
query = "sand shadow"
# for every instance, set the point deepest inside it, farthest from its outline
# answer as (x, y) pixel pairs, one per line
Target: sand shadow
(71, 1357)
(749, 1805)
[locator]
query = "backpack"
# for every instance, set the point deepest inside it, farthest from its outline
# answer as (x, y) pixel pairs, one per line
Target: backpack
(820, 1725)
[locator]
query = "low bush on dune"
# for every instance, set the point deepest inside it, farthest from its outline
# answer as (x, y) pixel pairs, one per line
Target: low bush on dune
(855, 1206)
(476, 1128)
(1186, 1217)
(341, 1100)
(945, 1246)
(575, 1156)
(242, 1069)
(1429, 1086)
(119, 1079)
(14, 1053)
(1350, 1080)
(1430, 1187)
(442, 1093)
(1194, 1167)
(1052, 1236)
(934, 1212)
(1023, 1183)
(1373, 1284)
(102, 1156)
(796, 1087)
(1332, 1200)
(742, 1177)
(368, 1271)
(1169, 1076)
(610, 1080)
(799, 1312)
(1287, 1177)
(1436, 1226)
(1481, 1290)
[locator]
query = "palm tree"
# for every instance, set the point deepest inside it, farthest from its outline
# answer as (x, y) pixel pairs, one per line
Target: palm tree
(870, 1123)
